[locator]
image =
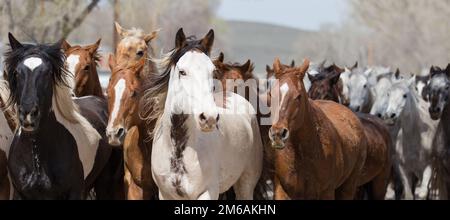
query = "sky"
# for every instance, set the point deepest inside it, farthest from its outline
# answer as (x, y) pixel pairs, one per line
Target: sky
(301, 14)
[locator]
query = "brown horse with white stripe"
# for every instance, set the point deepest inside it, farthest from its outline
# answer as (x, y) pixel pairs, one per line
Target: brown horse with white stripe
(320, 145)
(126, 127)
(81, 62)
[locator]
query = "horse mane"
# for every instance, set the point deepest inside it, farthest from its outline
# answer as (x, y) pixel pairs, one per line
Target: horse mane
(155, 86)
(51, 53)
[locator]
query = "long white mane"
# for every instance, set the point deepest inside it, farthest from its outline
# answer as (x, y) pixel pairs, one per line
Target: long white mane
(86, 136)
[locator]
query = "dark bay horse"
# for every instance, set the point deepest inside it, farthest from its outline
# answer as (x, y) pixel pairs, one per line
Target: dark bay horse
(320, 145)
(57, 152)
(126, 127)
(82, 64)
(377, 169)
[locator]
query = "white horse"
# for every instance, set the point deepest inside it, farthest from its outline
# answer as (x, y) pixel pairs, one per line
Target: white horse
(360, 96)
(199, 149)
(414, 147)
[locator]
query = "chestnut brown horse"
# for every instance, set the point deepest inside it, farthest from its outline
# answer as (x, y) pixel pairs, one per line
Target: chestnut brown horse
(126, 127)
(320, 145)
(134, 47)
(81, 62)
(377, 168)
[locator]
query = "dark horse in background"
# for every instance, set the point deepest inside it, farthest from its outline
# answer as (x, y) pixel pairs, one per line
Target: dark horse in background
(57, 153)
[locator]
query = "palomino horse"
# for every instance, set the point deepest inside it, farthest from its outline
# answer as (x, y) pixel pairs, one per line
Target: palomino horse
(416, 145)
(320, 145)
(126, 127)
(8, 125)
(134, 47)
(82, 65)
(56, 153)
(199, 149)
(437, 92)
(377, 167)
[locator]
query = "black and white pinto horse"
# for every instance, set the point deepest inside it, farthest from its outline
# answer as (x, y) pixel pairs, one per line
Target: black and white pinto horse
(57, 152)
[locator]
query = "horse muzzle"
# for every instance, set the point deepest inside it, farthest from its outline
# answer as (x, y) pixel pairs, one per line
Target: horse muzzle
(278, 136)
(29, 119)
(208, 124)
(115, 136)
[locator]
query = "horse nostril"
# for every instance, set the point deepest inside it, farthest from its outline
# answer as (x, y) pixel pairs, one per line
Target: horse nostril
(358, 108)
(393, 115)
(217, 118)
(438, 109)
(202, 117)
(34, 112)
(285, 134)
(120, 132)
(379, 115)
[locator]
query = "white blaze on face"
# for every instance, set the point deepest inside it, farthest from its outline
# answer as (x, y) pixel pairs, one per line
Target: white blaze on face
(118, 93)
(72, 62)
(284, 89)
(32, 63)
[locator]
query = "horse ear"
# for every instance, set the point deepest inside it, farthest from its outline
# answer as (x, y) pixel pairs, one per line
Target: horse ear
(247, 69)
(180, 38)
(15, 44)
(94, 47)
(277, 66)
(293, 63)
(208, 41)
(338, 69)
(151, 36)
(322, 65)
(411, 81)
(354, 66)
(302, 70)
(312, 78)
(120, 30)
(112, 62)
(336, 77)
(397, 74)
(447, 70)
(65, 45)
(221, 57)
(269, 72)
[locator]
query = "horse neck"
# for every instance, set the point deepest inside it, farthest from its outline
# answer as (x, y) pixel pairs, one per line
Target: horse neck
(410, 117)
(94, 85)
(445, 120)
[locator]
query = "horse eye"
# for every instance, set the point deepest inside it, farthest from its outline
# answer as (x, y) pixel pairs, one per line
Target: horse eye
(140, 53)
(86, 68)
(405, 96)
(365, 86)
(133, 94)
(182, 73)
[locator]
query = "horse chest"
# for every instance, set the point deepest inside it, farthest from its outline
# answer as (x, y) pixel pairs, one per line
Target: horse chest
(44, 169)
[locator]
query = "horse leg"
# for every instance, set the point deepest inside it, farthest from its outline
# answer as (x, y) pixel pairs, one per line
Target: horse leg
(379, 185)
(279, 193)
(210, 195)
(406, 180)
(133, 191)
(109, 184)
(421, 191)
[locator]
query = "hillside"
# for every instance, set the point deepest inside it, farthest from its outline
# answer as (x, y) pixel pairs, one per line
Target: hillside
(261, 43)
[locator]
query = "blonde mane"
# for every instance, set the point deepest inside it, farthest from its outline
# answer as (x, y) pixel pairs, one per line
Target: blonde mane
(86, 136)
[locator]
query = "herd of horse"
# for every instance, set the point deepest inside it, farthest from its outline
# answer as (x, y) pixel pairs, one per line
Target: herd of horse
(191, 126)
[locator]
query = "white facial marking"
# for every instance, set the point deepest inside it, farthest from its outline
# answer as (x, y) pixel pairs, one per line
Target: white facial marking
(32, 62)
(118, 89)
(284, 89)
(72, 62)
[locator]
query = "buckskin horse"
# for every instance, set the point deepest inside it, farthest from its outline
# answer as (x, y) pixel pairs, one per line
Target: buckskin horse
(377, 167)
(126, 127)
(57, 152)
(200, 150)
(82, 64)
(320, 146)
